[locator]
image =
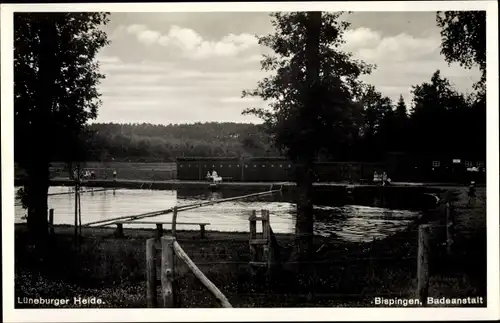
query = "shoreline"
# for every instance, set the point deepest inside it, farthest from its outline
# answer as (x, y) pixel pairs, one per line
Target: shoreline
(174, 184)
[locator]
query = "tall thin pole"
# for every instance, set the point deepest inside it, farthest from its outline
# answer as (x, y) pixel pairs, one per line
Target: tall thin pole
(77, 188)
(79, 215)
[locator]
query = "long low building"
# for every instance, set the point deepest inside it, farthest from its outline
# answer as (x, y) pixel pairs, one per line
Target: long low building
(276, 169)
(272, 169)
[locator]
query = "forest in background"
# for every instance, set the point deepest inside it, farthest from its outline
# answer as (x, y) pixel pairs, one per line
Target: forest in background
(441, 123)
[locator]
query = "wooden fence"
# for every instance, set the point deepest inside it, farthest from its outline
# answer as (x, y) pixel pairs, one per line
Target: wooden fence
(424, 250)
(169, 288)
(269, 256)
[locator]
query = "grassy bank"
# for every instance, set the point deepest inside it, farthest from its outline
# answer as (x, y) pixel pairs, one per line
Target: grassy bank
(341, 274)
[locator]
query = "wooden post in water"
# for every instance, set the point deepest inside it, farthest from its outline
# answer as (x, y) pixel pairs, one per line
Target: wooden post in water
(167, 271)
(449, 228)
(423, 263)
(174, 221)
(151, 272)
(51, 222)
(253, 235)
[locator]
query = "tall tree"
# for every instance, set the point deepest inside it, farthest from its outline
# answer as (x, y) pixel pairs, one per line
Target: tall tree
(55, 93)
(463, 40)
(401, 124)
(401, 111)
(311, 97)
(378, 123)
(435, 118)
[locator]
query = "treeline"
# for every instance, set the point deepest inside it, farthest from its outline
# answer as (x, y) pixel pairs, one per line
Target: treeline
(441, 123)
(153, 143)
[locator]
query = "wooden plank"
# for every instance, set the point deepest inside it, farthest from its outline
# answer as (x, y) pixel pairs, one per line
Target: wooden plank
(258, 241)
(151, 272)
(167, 271)
(161, 222)
(203, 279)
(423, 263)
(258, 263)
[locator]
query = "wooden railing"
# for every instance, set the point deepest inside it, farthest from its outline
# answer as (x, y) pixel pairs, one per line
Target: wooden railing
(159, 227)
(173, 210)
(169, 288)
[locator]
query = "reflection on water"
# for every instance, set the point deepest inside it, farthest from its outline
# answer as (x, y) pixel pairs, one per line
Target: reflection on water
(348, 222)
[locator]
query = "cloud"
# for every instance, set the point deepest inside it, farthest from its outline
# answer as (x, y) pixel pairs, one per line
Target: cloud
(371, 45)
(175, 72)
(191, 44)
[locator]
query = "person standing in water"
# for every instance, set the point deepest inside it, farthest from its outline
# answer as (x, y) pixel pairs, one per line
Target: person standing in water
(114, 174)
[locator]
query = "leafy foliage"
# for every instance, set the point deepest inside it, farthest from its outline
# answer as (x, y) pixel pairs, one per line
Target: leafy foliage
(463, 35)
(332, 123)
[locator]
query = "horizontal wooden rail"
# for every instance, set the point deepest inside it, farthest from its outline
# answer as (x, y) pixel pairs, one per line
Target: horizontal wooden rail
(159, 227)
(204, 280)
(170, 210)
(155, 222)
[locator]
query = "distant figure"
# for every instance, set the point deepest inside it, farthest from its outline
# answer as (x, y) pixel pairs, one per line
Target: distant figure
(215, 177)
(471, 192)
(92, 175)
(385, 179)
(114, 174)
(208, 177)
(376, 177)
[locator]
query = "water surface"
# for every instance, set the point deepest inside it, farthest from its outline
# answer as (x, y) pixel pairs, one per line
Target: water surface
(348, 222)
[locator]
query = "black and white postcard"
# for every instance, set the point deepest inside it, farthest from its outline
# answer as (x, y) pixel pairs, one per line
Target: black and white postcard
(272, 161)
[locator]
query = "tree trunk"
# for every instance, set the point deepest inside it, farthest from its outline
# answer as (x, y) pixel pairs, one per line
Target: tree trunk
(305, 219)
(303, 251)
(37, 189)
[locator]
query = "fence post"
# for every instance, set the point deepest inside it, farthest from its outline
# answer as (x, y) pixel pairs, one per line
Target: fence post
(253, 235)
(265, 232)
(449, 227)
(51, 222)
(167, 270)
(174, 221)
(423, 263)
(202, 231)
(119, 230)
(151, 272)
(159, 230)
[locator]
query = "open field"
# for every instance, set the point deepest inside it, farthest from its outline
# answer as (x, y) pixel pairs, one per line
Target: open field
(342, 273)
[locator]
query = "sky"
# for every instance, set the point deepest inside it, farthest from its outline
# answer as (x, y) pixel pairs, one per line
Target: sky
(165, 68)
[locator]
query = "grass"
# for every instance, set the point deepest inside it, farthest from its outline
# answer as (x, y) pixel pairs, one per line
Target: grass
(343, 274)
